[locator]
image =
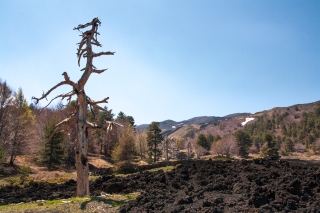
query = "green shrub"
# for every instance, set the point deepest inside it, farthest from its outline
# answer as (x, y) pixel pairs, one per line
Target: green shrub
(24, 173)
(12, 180)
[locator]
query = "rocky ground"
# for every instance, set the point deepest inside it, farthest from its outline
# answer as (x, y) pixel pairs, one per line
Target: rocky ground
(257, 185)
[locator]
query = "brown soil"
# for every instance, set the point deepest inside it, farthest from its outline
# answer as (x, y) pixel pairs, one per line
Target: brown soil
(257, 185)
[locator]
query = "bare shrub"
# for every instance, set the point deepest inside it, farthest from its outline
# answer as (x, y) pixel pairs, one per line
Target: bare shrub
(200, 151)
(316, 146)
(227, 146)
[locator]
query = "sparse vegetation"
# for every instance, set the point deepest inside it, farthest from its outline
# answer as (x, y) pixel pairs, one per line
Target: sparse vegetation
(111, 203)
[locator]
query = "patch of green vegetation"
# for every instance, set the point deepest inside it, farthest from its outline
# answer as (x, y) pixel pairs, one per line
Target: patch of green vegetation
(165, 169)
(61, 179)
(13, 180)
(75, 204)
(16, 181)
(93, 177)
(223, 159)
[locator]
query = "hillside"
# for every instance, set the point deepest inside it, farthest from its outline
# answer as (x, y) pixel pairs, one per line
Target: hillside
(280, 116)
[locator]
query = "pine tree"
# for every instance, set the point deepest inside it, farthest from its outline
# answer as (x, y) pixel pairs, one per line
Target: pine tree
(53, 151)
(203, 142)
(288, 145)
(154, 138)
(210, 139)
(269, 148)
(243, 142)
(121, 116)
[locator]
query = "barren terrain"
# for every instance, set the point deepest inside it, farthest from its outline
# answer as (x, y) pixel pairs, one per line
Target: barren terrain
(257, 185)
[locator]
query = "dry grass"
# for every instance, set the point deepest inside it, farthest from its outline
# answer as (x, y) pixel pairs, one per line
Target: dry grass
(302, 156)
(40, 173)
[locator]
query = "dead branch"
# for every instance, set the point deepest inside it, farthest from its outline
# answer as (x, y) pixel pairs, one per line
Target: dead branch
(99, 71)
(108, 125)
(79, 56)
(96, 44)
(71, 83)
(65, 122)
(94, 22)
(98, 102)
(80, 52)
(102, 53)
(82, 43)
(62, 96)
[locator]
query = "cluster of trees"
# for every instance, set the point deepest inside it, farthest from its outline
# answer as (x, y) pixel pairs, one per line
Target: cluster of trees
(294, 136)
(16, 123)
(27, 129)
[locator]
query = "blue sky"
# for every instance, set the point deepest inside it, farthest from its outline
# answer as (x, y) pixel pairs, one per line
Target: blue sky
(174, 59)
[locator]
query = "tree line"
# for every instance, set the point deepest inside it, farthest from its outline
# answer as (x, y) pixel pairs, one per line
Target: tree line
(26, 129)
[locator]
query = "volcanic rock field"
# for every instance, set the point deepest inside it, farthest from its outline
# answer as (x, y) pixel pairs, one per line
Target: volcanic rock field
(258, 185)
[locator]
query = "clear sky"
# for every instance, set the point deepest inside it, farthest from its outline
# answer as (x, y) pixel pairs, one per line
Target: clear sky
(174, 59)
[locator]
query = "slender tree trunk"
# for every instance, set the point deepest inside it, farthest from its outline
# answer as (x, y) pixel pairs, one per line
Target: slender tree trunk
(13, 150)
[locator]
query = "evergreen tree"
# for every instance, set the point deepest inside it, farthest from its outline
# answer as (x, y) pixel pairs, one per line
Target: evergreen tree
(203, 142)
(288, 145)
(154, 138)
(243, 142)
(121, 116)
(269, 148)
(210, 139)
(131, 121)
(53, 151)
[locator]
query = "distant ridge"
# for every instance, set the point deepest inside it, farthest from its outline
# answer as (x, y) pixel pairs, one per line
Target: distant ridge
(172, 125)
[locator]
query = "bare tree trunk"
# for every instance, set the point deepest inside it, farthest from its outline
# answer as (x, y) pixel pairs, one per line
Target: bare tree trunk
(13, 150)
(155, 147)
(81, 150)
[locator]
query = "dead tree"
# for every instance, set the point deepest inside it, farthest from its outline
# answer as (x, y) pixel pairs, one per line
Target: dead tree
(166, 145)
(78, 117)
(189, 147)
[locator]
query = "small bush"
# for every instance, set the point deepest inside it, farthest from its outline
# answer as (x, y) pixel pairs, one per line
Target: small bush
(24, 173)
(12, 180)
(125, 168)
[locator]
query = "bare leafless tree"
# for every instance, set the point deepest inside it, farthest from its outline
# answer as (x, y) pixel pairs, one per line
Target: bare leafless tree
(6, 100)
(166, 144)
(227, 146)
(141, 143)
(89, 38)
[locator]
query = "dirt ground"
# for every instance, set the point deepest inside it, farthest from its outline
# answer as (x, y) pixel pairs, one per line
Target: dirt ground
(257, 185)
